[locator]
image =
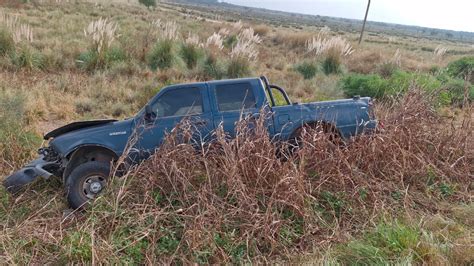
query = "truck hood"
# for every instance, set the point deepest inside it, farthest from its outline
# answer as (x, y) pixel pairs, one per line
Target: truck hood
(110, 134)
(76, 126)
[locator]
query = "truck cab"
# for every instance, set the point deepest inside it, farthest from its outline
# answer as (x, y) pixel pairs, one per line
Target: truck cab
(80, 153)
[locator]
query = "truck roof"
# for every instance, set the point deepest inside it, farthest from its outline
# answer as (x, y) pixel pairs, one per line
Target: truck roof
(214, 82)
(231, 80)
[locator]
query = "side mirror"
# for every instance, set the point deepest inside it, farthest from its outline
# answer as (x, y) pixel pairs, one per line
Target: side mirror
(149, 114)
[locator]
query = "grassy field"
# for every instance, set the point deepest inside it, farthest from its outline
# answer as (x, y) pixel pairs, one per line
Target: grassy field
(403, 196)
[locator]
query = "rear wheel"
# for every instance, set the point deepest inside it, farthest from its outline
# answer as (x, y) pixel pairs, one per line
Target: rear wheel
(85, 182)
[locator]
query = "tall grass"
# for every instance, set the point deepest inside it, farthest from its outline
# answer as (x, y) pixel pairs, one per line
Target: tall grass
(21, 32)
(239, 200)
(331, 49)
(7, 45)
(307, 69)
(190, 51)
(163, 54)
(101, 34)
(236, 201)
(242, 53)
(18, 141)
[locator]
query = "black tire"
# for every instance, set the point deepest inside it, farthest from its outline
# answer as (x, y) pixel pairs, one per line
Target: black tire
(85, 182)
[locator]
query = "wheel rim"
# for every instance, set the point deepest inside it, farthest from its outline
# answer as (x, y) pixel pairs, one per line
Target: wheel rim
(93, 185)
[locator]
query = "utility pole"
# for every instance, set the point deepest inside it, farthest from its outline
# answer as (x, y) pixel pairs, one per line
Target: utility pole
(365, 20)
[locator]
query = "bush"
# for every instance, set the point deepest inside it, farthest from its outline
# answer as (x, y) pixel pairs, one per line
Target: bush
(462, 67)
(230, 41)
(307, 69)
(114, 54)
(332, 62)
(7, 45)
(455, 90)
(162, 55)
(212, 69)
(374, 85)
(148, 3)
(238, 67)
(91, 60)
(190, 54)
(27, 58)
(364, 85)
(88, 60)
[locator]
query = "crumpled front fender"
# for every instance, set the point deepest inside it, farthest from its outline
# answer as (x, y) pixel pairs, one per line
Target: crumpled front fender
(16, 181)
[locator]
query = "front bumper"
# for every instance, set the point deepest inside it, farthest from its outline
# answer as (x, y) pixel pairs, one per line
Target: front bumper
(37, 168)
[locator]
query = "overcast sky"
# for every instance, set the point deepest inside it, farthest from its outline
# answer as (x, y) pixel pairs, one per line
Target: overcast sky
(443, 14)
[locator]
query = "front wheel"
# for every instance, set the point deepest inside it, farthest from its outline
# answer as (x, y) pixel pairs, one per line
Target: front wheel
(85, 182)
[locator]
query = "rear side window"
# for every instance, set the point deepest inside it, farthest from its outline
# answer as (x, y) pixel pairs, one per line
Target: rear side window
(234, 97)
(179, 102)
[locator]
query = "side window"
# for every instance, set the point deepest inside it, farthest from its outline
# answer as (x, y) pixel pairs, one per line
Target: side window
(234, 97)
(279, 98)
(179, 102)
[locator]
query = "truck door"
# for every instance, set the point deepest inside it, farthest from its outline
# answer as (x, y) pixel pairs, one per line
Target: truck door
(170, 108)
(231, 100)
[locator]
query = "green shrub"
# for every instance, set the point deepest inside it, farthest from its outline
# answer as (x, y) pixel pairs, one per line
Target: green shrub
(332, 62)
(212, 69)
(190, 54)
(455, 89)
(364, 85)
(88, 60)
(27, 58)
(114, 54)
(375, 86)
(307, 69)
(7, 45)
(162, 55)
(434, 70)
(230, 41)
(238, 67)
(148, 3)
(91, 60)
(462, 67)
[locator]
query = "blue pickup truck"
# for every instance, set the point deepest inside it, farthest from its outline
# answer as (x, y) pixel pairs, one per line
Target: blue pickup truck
(80, 153)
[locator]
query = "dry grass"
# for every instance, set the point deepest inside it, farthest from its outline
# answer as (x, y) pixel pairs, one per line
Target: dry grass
(238, 200)
(262, 29)
(102, 34)
(366, 61)
(321, 45)
(246, 46)
(20, 31)
(235, 201)
(291, 39)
